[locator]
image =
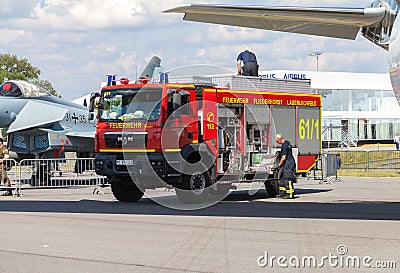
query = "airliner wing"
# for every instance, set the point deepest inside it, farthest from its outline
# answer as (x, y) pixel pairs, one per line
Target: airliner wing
(329, 22)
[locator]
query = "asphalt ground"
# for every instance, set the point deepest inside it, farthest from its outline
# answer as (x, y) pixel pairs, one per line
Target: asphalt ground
(73, 230)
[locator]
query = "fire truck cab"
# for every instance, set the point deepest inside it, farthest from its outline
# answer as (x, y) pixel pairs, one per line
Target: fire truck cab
(201, 138)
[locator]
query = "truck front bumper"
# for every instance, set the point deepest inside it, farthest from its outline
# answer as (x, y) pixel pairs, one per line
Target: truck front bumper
(140, 166)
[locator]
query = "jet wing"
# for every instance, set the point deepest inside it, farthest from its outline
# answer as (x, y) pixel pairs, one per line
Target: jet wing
(35, 114)
(329, 22)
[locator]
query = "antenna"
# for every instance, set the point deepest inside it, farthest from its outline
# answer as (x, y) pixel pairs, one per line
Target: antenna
(316, 54)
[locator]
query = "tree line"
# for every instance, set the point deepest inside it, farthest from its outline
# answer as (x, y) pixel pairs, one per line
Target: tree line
(14, 68)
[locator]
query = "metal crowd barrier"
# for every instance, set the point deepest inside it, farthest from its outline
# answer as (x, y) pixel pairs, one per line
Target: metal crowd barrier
(370, 160)
(53, 173)
(332, 163)
(378, 160)
(8, 170)
(326, 168)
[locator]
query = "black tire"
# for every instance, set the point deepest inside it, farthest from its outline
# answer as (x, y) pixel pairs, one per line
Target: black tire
(194, 188)
(125, 192)
(271, 186)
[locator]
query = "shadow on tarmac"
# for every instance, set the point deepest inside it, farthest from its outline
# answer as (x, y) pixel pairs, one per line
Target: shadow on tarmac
(237, 204)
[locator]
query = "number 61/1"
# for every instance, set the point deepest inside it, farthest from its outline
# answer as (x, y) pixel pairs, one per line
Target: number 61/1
(307, 129)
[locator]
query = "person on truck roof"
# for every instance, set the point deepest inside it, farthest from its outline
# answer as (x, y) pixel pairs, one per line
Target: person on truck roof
(250, 65)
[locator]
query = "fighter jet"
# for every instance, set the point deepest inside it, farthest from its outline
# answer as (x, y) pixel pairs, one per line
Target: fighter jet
(39, 123)
(377, 23)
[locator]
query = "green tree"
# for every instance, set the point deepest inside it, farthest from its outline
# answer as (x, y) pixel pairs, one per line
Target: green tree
(13, 68)
(46, 85)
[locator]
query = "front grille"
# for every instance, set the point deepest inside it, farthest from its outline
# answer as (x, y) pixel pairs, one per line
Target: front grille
(128, 140)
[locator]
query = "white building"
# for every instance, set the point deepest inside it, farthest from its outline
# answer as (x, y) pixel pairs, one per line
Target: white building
(356, 106)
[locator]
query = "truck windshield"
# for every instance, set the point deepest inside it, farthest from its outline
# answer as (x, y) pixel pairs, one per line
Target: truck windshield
(130, 104)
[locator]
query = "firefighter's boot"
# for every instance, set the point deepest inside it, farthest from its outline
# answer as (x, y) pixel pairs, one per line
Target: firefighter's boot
(282, 188)
(289, 189)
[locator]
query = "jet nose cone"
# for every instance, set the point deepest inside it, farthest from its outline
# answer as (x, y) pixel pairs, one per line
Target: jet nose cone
(6, 118)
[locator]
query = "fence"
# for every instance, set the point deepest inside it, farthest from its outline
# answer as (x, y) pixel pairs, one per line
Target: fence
(52, 173)
(326, 169)
(369, 160)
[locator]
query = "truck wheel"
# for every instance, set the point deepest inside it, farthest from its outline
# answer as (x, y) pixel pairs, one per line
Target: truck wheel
(194, 189)
(272, 187)
(125, 192)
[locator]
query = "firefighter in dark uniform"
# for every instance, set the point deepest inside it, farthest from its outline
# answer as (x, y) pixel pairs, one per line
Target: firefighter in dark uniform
(3, 168)
(287, 168)
(250, 66)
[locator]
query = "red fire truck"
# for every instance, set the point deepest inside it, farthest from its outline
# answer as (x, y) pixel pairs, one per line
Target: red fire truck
(202, 138)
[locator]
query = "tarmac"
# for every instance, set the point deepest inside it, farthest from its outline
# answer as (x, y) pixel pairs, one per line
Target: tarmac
(73, 230)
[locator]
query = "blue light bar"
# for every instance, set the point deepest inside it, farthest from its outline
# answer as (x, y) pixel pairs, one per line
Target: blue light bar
(111, 79)
(163, 77)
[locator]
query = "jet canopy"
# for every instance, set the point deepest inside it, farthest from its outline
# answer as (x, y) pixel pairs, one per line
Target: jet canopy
(21, 89)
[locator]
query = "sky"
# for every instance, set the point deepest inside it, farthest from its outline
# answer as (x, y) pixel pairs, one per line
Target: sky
(75, 43)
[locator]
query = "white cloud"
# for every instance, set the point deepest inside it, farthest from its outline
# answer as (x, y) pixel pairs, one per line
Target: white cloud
(228, 34)
(124, 65)
(93, 14)
(8, 36)
(102, 48)
(54, 58)
(15, 8)
(201, 52)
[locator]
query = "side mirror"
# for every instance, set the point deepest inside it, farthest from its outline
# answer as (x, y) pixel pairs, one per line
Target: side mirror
(92, 102)
(176, 101)
(176, 104)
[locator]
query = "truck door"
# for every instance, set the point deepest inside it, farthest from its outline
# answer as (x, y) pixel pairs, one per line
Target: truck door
(231, 131)
(258, 127)
(177, 131)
